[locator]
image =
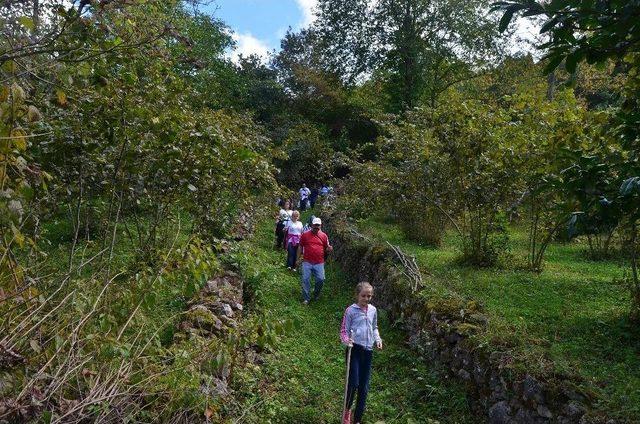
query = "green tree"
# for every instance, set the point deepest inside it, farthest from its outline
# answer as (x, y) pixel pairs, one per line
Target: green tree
(418, 47)
(596, 32)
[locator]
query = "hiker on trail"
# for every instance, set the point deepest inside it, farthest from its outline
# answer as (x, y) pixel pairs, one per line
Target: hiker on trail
(359, 332)
(313, 247)
(283, 217)
(324, 190)
(304, 196)
(293, 232)
(313, 196)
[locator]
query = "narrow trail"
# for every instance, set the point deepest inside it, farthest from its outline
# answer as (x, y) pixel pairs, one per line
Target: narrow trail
(302, 381)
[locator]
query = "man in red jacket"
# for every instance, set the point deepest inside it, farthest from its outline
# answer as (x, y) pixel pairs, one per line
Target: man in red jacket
(313, 246)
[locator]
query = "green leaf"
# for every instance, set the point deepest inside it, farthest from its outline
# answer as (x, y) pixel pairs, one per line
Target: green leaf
(571, 63)
(61, 97)
(506, 19)
(553, 64)
(548, 25)
(27, 22)
(629, 186)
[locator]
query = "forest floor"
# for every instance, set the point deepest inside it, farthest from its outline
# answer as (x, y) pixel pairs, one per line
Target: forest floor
(302, 380)
(573, 316)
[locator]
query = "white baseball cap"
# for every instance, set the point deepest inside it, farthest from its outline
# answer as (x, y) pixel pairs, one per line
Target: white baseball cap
(316, 221)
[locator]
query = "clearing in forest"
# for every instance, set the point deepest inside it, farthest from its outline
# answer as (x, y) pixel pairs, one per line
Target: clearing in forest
(302, 380)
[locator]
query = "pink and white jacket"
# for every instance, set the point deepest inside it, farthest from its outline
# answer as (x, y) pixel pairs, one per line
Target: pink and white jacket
(361, 324)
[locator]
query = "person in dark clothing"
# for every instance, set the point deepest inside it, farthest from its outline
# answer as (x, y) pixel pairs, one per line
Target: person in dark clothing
(283, 217)
(314, 196)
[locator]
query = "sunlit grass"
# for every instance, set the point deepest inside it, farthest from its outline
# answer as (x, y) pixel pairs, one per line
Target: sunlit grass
(303, 379)
(573, 314)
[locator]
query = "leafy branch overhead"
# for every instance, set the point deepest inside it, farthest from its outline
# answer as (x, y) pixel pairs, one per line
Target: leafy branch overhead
(580, 30)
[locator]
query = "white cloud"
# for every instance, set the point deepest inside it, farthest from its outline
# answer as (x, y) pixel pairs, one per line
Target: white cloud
(247, 44)
(307, 8)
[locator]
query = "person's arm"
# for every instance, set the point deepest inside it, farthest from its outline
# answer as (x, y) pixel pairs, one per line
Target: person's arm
(299, 253)
(327, 245)
(286, 234)
(376, 332)
(345, 329)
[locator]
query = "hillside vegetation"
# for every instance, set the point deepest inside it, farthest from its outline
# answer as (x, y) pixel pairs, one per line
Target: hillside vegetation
(136, 156)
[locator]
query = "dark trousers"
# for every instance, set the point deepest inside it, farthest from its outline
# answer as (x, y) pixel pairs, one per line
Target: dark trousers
(359, 374)
(279, 234)
(292, 252)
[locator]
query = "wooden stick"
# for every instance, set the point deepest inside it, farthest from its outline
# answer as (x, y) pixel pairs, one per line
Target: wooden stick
(346, 383)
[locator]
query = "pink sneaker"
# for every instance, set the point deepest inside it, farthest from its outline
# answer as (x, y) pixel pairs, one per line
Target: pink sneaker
(346, 418)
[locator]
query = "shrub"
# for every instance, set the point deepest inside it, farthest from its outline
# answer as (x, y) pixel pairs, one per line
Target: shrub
(422, 223)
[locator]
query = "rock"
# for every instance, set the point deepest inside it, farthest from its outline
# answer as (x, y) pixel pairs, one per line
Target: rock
(237, 306)
(523, 417)
(531, 390)
(500, 413)
(453, 337)
(212, 286)
(463, 374)
(479, 319)
(230, 322)
(574, 410)
(227, 310)
(544, 412)
(200, 316)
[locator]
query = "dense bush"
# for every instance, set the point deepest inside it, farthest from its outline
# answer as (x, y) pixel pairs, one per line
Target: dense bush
(117, 174)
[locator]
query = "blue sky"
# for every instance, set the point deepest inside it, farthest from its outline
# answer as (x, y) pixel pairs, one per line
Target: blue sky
(260, 24)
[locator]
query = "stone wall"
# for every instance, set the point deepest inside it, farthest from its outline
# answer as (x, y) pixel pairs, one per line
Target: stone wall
(440, 327)
(212, 315)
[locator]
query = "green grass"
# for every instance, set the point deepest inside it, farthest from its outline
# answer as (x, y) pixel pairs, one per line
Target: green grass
(572, 315)
(302, 380)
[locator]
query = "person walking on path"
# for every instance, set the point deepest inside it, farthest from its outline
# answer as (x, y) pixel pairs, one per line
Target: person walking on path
(359, 331)
(282, 219)
(304, 196)
(313, 247)
(293, 232)
(313, 197)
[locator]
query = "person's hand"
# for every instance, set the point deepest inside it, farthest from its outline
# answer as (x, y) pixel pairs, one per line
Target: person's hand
(329, 248)
(379, 345)
(350, 342)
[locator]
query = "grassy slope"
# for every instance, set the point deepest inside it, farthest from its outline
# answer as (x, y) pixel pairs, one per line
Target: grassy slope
(302, 381)
(572, 312)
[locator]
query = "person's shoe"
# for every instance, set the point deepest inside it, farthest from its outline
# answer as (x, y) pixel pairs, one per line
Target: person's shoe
(294, 270)
(305, 303)
(346, 418)
(289, 268)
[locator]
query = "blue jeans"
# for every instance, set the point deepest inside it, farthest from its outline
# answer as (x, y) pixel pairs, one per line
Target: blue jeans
(292, 253)
(359, 374)
(318, 272)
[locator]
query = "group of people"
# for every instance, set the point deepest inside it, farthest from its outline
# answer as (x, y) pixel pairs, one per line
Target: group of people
(307, 248)
(309, 196)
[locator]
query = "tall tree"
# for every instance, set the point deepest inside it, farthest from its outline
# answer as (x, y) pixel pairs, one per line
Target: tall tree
(419, 47)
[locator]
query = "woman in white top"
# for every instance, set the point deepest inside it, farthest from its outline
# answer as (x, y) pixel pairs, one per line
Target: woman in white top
(293, 232)
(284, 216)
